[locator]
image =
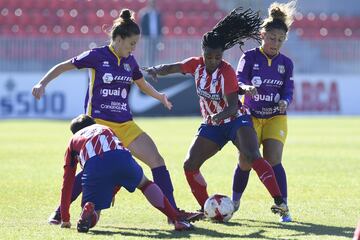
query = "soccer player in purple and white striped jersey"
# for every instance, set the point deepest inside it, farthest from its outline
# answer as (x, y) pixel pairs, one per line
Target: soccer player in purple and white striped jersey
(112, 71)
(266, 76)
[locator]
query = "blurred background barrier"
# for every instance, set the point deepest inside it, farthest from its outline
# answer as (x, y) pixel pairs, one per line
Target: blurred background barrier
(314, 94)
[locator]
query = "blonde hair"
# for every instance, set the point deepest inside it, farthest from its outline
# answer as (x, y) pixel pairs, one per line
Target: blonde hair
(281, 16)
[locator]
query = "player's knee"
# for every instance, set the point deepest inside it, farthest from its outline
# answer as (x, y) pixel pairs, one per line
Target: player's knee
(155, 161)
(190, 165)
(252, 155)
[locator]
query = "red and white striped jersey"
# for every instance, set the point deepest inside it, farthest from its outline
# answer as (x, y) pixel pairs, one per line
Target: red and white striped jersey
(93, 140)
(211, 88)
(85, 144)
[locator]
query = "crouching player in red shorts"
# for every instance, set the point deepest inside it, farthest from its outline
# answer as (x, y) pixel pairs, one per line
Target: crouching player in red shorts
(106, 164)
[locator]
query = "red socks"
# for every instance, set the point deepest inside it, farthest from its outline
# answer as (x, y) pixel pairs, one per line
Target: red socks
(156, 197)
(198, 186)
(267, 176)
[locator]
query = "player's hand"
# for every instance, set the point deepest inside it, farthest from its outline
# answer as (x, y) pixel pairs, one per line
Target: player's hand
(152, 72)
(249, 90)
(38, 90)
(214, 118)
(65, 224)
(283, 104)
(165, 101)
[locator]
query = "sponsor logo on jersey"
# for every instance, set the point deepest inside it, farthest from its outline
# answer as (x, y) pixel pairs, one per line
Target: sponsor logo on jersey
(115, 106)
(267, 98)
(108, 78)
(281, 69)
(105, 92)
(211, 96)
(274, 82)
(256, 81)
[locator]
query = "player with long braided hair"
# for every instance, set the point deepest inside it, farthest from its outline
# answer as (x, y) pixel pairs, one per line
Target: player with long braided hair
(223, 120)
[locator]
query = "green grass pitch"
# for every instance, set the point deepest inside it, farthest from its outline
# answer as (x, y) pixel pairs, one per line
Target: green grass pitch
(322, 160)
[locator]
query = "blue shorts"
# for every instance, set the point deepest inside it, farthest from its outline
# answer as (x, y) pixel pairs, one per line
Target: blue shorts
(223, 133)
(102, 173)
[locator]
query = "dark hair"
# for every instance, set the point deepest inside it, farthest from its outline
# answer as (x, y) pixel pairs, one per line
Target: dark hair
(280, 16)
(81, 122)
(235, 28)
(125, 25)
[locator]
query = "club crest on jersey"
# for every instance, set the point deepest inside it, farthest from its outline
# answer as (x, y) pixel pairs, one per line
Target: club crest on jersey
(127, 67)
(281, 69)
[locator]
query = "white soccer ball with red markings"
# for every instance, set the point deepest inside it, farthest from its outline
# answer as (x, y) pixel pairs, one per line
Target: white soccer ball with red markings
(219, 208)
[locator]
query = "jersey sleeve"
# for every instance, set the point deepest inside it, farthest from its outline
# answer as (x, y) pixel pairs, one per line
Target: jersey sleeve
(68, 182)
(288, 87)
(243, 71)
(86, 59)
(189, 65)
(231, 84)
(137, 74)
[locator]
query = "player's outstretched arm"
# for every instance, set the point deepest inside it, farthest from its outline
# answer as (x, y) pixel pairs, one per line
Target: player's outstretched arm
(163, 69)
(39, 89)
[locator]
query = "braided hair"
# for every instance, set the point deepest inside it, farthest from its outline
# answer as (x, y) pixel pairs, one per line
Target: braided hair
(235, 28)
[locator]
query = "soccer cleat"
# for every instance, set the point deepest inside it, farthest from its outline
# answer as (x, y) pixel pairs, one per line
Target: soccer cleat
(183, 226)
(190, 216)
(286, 218)
(280, 209)
(84, 223)
(55, 218)
(236, 205)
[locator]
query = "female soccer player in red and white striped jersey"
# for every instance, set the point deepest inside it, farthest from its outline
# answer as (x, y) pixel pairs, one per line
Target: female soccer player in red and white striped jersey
(223, 120)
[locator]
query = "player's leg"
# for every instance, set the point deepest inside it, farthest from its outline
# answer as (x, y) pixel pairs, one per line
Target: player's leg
(240, 180)
(98, 189)
(274, 137)
(205, 145)
(157, 199)
(144, 148)
(55, 217)
(242, 170)
(246, 142)
(131, 176)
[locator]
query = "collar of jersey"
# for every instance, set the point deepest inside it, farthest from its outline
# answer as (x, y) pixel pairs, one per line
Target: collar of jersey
(269, 60)
(117, 57)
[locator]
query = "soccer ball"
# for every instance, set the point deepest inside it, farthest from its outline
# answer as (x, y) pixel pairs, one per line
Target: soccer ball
(219, 208)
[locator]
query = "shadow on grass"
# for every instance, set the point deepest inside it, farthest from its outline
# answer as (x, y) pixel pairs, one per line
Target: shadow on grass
(299, 229)
(166, 234)
(303, 228)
